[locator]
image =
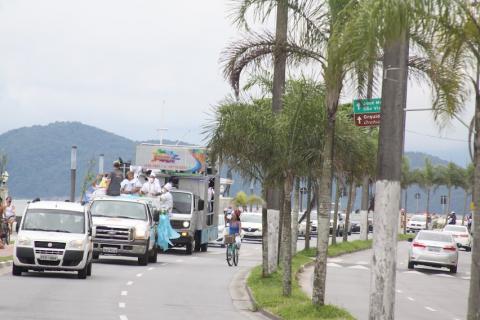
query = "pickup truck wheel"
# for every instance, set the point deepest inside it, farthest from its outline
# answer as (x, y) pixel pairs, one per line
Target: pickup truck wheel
(82, 274)
(143, 260)
(204, 247)
(153, 256)
(17, 271)
(453, 269)
(89, 269)
(95, 255)
(189, 248)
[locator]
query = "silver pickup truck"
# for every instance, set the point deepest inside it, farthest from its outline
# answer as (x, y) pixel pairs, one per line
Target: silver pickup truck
(124, 226)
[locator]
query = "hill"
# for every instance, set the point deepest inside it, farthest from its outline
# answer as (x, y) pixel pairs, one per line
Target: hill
(39, 161)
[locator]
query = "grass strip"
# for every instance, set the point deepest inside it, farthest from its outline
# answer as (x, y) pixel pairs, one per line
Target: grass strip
(268, 295)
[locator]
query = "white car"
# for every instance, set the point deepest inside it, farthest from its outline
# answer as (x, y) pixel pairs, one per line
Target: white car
(54, 236)
(461, 235)
(251, 224)
(417, 222)
(433, 249)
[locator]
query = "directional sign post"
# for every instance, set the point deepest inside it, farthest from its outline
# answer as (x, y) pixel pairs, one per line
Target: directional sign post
(367, 112)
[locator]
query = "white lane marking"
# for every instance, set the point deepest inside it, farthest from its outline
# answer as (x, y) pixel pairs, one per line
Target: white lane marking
(410, 298)
(123, 317)
(129, 283)
(139, 274)
(151, 268)
(358, 267)
(399, 291)
(331, 264)
(430, 309)
(124, 293)
(179, 260)
(444, 275)
(412, 272)
(362, 262)
(121, 305)
(466, 278)
(336, 260)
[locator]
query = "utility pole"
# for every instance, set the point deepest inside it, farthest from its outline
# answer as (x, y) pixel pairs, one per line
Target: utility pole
(101, 164)
(388, 188)
(73, 172)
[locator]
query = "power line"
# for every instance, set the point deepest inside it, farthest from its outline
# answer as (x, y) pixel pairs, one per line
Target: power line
(436, 137)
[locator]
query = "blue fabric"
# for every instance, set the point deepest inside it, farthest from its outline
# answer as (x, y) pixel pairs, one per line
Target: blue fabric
(165, 232)
(234, 229)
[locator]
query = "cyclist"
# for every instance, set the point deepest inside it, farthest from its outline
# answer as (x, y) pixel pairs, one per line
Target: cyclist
(235, 227)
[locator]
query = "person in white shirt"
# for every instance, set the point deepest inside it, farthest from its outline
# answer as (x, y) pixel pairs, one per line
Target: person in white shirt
(150, 188)
(9, 212)
(130, 185)
(166, 199)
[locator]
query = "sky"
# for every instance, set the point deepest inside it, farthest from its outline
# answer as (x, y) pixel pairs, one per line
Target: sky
(132, 67)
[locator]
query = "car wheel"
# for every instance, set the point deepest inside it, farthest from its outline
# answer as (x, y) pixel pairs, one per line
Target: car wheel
(95, 255)
(82, 274)
(17, 271)
(453, 269)
(153, 256)
(189, 248)
(468, 249)
(89, 269)
(204, 247)
(411, 265)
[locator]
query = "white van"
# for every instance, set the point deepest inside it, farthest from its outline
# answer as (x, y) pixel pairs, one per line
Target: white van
(54, 236)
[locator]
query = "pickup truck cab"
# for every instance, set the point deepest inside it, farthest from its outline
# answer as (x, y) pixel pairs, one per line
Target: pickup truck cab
(54, 236)
(124, 226)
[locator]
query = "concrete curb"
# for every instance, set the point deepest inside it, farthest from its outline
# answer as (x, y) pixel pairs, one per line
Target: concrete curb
(266, 313)
(6, 264)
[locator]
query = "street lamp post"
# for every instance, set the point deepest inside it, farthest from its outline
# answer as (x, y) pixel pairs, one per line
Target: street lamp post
(417, 198)
(73, 172)
(101, 164)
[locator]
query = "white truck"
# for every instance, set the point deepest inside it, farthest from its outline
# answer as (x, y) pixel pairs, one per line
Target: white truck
(195, 194)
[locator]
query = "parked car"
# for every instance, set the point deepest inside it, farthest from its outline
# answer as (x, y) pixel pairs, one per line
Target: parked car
(417, 222)
(433, 249)
(54, 236)
(461, 235)
(355, 221)
(302, 226)
(340, 224)
(251, 224)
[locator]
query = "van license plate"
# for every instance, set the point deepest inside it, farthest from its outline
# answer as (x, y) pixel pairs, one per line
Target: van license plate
(48, 257)
(109, 250)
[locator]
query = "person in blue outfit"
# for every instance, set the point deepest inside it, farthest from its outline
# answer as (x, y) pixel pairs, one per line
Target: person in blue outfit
(164, 228)
(235, 227)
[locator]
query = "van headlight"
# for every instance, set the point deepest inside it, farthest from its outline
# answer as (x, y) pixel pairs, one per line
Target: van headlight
(186, 224)
(141, 232)
(24, 241)
(76, 244)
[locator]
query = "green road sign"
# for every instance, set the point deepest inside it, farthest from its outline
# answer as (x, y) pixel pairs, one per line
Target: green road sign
(367, 105)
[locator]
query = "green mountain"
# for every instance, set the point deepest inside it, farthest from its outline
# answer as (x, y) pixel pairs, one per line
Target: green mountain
(39, 161)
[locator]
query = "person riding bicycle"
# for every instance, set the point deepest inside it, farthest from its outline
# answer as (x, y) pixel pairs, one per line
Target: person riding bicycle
(235, 227)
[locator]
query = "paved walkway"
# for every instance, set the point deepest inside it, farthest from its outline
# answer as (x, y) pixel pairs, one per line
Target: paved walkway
(7, 251)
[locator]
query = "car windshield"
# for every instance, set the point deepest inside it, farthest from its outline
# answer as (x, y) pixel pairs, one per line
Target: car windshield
(119, 209)
(254, 218)
(355, 217)
(434, 236)
(455, 228)
(182, 203)
(418, 218)
(54, 221)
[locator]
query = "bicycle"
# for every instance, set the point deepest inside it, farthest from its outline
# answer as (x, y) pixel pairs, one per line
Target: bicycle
(232, 250)
(5, 232)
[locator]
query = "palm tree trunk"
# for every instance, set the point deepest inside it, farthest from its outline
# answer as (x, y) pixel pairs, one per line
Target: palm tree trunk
(265, 264)
(465, 200)
(287, 234)
(364, 209)
(309, 210)
(296, 202)
(387, 191)
(352, 192)
(449, 200)
(338, 194)
(324, 198)
(428, 200)
(474, 294)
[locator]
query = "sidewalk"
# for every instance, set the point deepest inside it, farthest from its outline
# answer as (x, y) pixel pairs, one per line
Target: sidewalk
(7, 251)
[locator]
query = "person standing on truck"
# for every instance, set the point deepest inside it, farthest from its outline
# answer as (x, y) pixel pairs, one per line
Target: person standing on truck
(130, 185)
(115, 180)
(150, 188)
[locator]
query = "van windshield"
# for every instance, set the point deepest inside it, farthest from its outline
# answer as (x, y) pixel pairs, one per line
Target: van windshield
(54, 221)
(182, 203)
(119, 209)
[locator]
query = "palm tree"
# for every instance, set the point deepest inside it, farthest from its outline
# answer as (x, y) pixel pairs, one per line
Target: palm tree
(427, 178)
(467, 186)
(450, 176)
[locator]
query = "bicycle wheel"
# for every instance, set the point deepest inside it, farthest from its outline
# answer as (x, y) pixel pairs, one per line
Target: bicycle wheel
(235, 255)
(229, 255)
